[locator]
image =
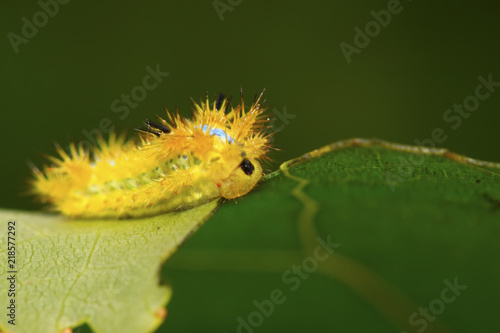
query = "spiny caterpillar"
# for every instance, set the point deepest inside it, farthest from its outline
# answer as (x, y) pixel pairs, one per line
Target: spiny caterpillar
(176, 164)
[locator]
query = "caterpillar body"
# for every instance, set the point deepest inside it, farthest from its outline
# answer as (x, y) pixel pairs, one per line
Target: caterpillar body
(175, 164)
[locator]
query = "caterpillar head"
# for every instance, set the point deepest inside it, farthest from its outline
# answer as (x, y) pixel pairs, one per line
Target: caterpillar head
(242, 179)
(240, 144)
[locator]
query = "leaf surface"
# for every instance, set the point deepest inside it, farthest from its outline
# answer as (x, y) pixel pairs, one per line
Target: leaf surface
(104, 273)
(404, 224)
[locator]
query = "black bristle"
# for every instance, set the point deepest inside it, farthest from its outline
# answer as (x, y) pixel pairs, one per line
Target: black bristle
(220, 100)
(160, 127)
(150, 130)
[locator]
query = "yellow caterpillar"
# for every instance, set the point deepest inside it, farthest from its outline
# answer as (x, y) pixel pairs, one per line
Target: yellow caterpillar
(175, 164)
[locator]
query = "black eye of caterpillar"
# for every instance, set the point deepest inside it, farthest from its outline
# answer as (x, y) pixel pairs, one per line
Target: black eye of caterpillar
(247, 167)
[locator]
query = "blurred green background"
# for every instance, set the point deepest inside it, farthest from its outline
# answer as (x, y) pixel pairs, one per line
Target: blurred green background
(63, 80)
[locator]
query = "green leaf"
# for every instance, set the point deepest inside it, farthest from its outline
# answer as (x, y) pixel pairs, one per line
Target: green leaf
(104, 273)
(411, 229)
